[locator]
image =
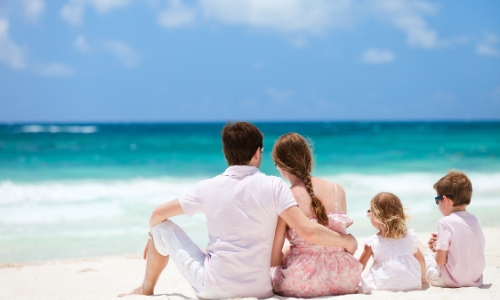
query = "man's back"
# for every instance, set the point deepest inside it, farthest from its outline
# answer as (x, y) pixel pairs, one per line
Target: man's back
(241, 207)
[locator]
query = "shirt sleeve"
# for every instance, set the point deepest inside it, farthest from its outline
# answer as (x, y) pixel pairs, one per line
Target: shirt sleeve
(191, 201)
(444, 235)
(283, 197)
(414, 240)
(372, 242)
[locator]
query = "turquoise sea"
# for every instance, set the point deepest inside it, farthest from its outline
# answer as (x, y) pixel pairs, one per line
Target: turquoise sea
(78, 190)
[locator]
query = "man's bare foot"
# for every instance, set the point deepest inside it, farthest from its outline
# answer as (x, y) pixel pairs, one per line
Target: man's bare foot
(137, 291)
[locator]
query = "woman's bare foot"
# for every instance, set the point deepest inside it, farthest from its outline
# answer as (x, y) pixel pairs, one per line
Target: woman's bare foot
(138, 291)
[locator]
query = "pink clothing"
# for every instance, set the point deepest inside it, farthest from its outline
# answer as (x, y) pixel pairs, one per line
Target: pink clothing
(461, 235)
(241, 207)
(311, 271)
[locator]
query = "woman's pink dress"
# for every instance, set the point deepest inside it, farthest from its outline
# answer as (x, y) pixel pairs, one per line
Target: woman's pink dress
(311, 270)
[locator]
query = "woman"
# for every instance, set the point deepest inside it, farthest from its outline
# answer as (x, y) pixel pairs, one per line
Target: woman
(307, 270)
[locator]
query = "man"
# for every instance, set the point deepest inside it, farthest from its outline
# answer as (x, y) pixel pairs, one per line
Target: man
(241, 206)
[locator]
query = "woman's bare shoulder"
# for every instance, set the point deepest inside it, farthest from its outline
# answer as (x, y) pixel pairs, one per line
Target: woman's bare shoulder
(329, 192)
(326, 185)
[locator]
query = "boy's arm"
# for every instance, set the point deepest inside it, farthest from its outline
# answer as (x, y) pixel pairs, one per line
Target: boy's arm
(441, 257)
(315, 233)
(279, 240)
(365, 256)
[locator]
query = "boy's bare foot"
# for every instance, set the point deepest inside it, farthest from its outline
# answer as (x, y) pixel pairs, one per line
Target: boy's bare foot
(137, 291)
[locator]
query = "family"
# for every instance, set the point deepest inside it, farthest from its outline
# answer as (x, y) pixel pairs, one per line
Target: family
(249, 215)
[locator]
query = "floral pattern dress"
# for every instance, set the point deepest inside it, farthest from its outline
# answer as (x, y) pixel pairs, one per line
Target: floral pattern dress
(312, 271)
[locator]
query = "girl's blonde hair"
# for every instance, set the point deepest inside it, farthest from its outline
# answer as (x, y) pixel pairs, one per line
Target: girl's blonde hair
(292, 153)
(388, 212)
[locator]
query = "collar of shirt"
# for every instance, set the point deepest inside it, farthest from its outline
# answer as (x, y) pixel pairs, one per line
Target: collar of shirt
(240, 171)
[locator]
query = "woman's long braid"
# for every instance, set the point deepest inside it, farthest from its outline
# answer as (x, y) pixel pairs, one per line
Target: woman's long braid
(291, 153)
(317, 206)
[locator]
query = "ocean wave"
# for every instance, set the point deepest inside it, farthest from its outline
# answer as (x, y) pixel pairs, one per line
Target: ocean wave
(50, 202)
(71, 191)
(58, 129)
(44, 214)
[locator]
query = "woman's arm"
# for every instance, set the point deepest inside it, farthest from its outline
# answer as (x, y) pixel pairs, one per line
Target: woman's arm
(365, 256)
(279, 239)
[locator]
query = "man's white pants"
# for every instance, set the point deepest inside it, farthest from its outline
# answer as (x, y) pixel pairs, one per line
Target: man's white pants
(170, 239)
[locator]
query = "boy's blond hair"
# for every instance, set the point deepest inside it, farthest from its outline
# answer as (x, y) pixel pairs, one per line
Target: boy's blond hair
(456, 184)
(388, 211)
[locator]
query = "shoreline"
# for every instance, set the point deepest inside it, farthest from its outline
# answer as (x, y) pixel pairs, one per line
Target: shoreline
(104, 277)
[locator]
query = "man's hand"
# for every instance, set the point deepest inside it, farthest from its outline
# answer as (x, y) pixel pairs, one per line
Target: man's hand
(432, 242)
(353, 244)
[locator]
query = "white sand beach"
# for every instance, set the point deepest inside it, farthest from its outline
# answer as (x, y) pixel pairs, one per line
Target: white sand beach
(106, 277)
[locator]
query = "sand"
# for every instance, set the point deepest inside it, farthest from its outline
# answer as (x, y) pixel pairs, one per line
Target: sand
(106, 277)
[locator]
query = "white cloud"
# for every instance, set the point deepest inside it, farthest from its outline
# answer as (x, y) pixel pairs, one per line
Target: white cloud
(280, 96)
(10, 53)
(74, 11)
(127, 56)
(81, 44)
(177, 15)
(55, 70)
(487, 45)
(33, 9)
(376, 56)
(104, 6)
(314, 17)
(409, 17)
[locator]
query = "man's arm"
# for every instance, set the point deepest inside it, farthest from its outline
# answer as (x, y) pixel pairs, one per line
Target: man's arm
(315, 233)
(165, 211)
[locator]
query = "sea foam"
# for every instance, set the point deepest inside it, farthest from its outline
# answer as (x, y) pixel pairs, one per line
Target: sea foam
(58, 129)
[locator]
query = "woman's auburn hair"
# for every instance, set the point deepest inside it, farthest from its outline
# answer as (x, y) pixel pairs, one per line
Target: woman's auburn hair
(387, 210)
(292, 153)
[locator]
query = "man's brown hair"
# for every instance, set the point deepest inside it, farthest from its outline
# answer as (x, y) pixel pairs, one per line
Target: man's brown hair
(456, 184)
(240, 141)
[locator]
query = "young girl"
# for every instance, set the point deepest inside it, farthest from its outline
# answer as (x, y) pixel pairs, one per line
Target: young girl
(309, 270)
(398, 265)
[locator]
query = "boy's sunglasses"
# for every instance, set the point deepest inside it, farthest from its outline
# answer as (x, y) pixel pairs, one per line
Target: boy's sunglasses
(441, 197)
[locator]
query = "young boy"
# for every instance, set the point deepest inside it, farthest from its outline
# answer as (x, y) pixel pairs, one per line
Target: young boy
(457, 257)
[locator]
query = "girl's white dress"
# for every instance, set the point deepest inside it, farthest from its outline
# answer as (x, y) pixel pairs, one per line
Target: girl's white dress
(394, 266)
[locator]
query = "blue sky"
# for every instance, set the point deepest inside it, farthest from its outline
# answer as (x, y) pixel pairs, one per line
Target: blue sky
(260, 60)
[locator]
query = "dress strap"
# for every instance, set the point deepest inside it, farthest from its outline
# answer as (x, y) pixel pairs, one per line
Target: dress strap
(335, 197)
